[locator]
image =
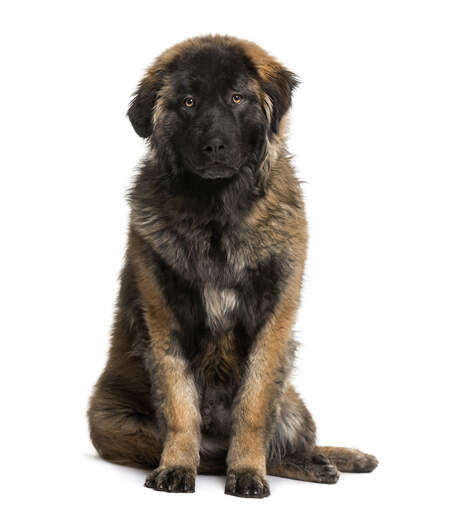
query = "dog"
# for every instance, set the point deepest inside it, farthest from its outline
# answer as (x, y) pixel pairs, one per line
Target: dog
(198, 373)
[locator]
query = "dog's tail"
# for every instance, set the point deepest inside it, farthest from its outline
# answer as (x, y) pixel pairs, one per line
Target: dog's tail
(348, 460)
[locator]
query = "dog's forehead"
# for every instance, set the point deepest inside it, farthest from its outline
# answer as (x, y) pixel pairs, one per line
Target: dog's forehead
(213, 69)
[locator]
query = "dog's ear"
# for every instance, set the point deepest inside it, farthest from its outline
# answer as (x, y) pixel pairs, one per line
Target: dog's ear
(276, 82)
(140, 111)
(279, 84)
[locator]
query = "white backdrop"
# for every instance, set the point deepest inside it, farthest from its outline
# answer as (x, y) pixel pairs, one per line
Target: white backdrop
(374, 131)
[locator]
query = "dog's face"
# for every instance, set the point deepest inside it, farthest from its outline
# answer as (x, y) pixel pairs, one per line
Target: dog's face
(217, 121)
(210, 105)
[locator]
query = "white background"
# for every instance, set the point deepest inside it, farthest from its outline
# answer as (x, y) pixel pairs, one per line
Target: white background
(374, 131)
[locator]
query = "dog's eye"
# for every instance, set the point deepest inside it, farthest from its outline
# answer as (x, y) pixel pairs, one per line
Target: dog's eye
(236, 98)
(189, 102)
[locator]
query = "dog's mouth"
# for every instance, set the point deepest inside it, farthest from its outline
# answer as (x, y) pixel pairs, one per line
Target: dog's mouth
(215, 171)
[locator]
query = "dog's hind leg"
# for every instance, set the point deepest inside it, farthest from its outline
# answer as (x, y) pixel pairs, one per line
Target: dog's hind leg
(324, 465)
(292, 450)
(121, 432)
(349, 460)
(293, 453)
(315, 468)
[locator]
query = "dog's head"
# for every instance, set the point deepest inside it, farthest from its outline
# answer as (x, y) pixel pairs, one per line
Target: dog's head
(211, 105)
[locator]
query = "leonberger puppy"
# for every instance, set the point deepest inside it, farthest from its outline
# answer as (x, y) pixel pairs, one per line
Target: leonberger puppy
(198, 374)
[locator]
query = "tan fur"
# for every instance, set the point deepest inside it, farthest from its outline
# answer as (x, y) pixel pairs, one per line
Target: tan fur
(219, 365)
(180, 397)
(248, 445)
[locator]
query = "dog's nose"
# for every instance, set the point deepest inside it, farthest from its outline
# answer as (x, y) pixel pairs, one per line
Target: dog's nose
(215, 147)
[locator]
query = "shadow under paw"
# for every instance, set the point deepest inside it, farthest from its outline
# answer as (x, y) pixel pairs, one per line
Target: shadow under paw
(177, 479)
(246, 483)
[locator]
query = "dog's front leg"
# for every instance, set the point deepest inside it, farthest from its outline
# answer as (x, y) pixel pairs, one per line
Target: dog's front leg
(173, 387)
(254, 405)
(178, 406)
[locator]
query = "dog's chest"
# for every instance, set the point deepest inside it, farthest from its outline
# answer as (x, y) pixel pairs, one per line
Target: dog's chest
(211, 253)
(217, 280)
(220, 305)
(221, 269)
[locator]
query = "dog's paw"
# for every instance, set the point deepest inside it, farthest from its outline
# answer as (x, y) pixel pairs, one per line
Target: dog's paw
(172, 479)
(326, 473)
(322, 470)
(363, 462)
(246, 483)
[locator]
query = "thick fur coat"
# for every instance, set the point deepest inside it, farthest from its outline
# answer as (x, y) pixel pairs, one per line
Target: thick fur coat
(197, 378)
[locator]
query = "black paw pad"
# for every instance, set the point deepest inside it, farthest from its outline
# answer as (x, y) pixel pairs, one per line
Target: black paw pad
(246, 484)
(171, 480)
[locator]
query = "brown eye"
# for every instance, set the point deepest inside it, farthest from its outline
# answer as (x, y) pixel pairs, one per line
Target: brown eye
(188, 102)
(236, 98)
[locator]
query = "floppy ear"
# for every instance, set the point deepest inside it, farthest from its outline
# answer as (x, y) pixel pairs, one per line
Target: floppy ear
(279, 84)
(140, 111)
